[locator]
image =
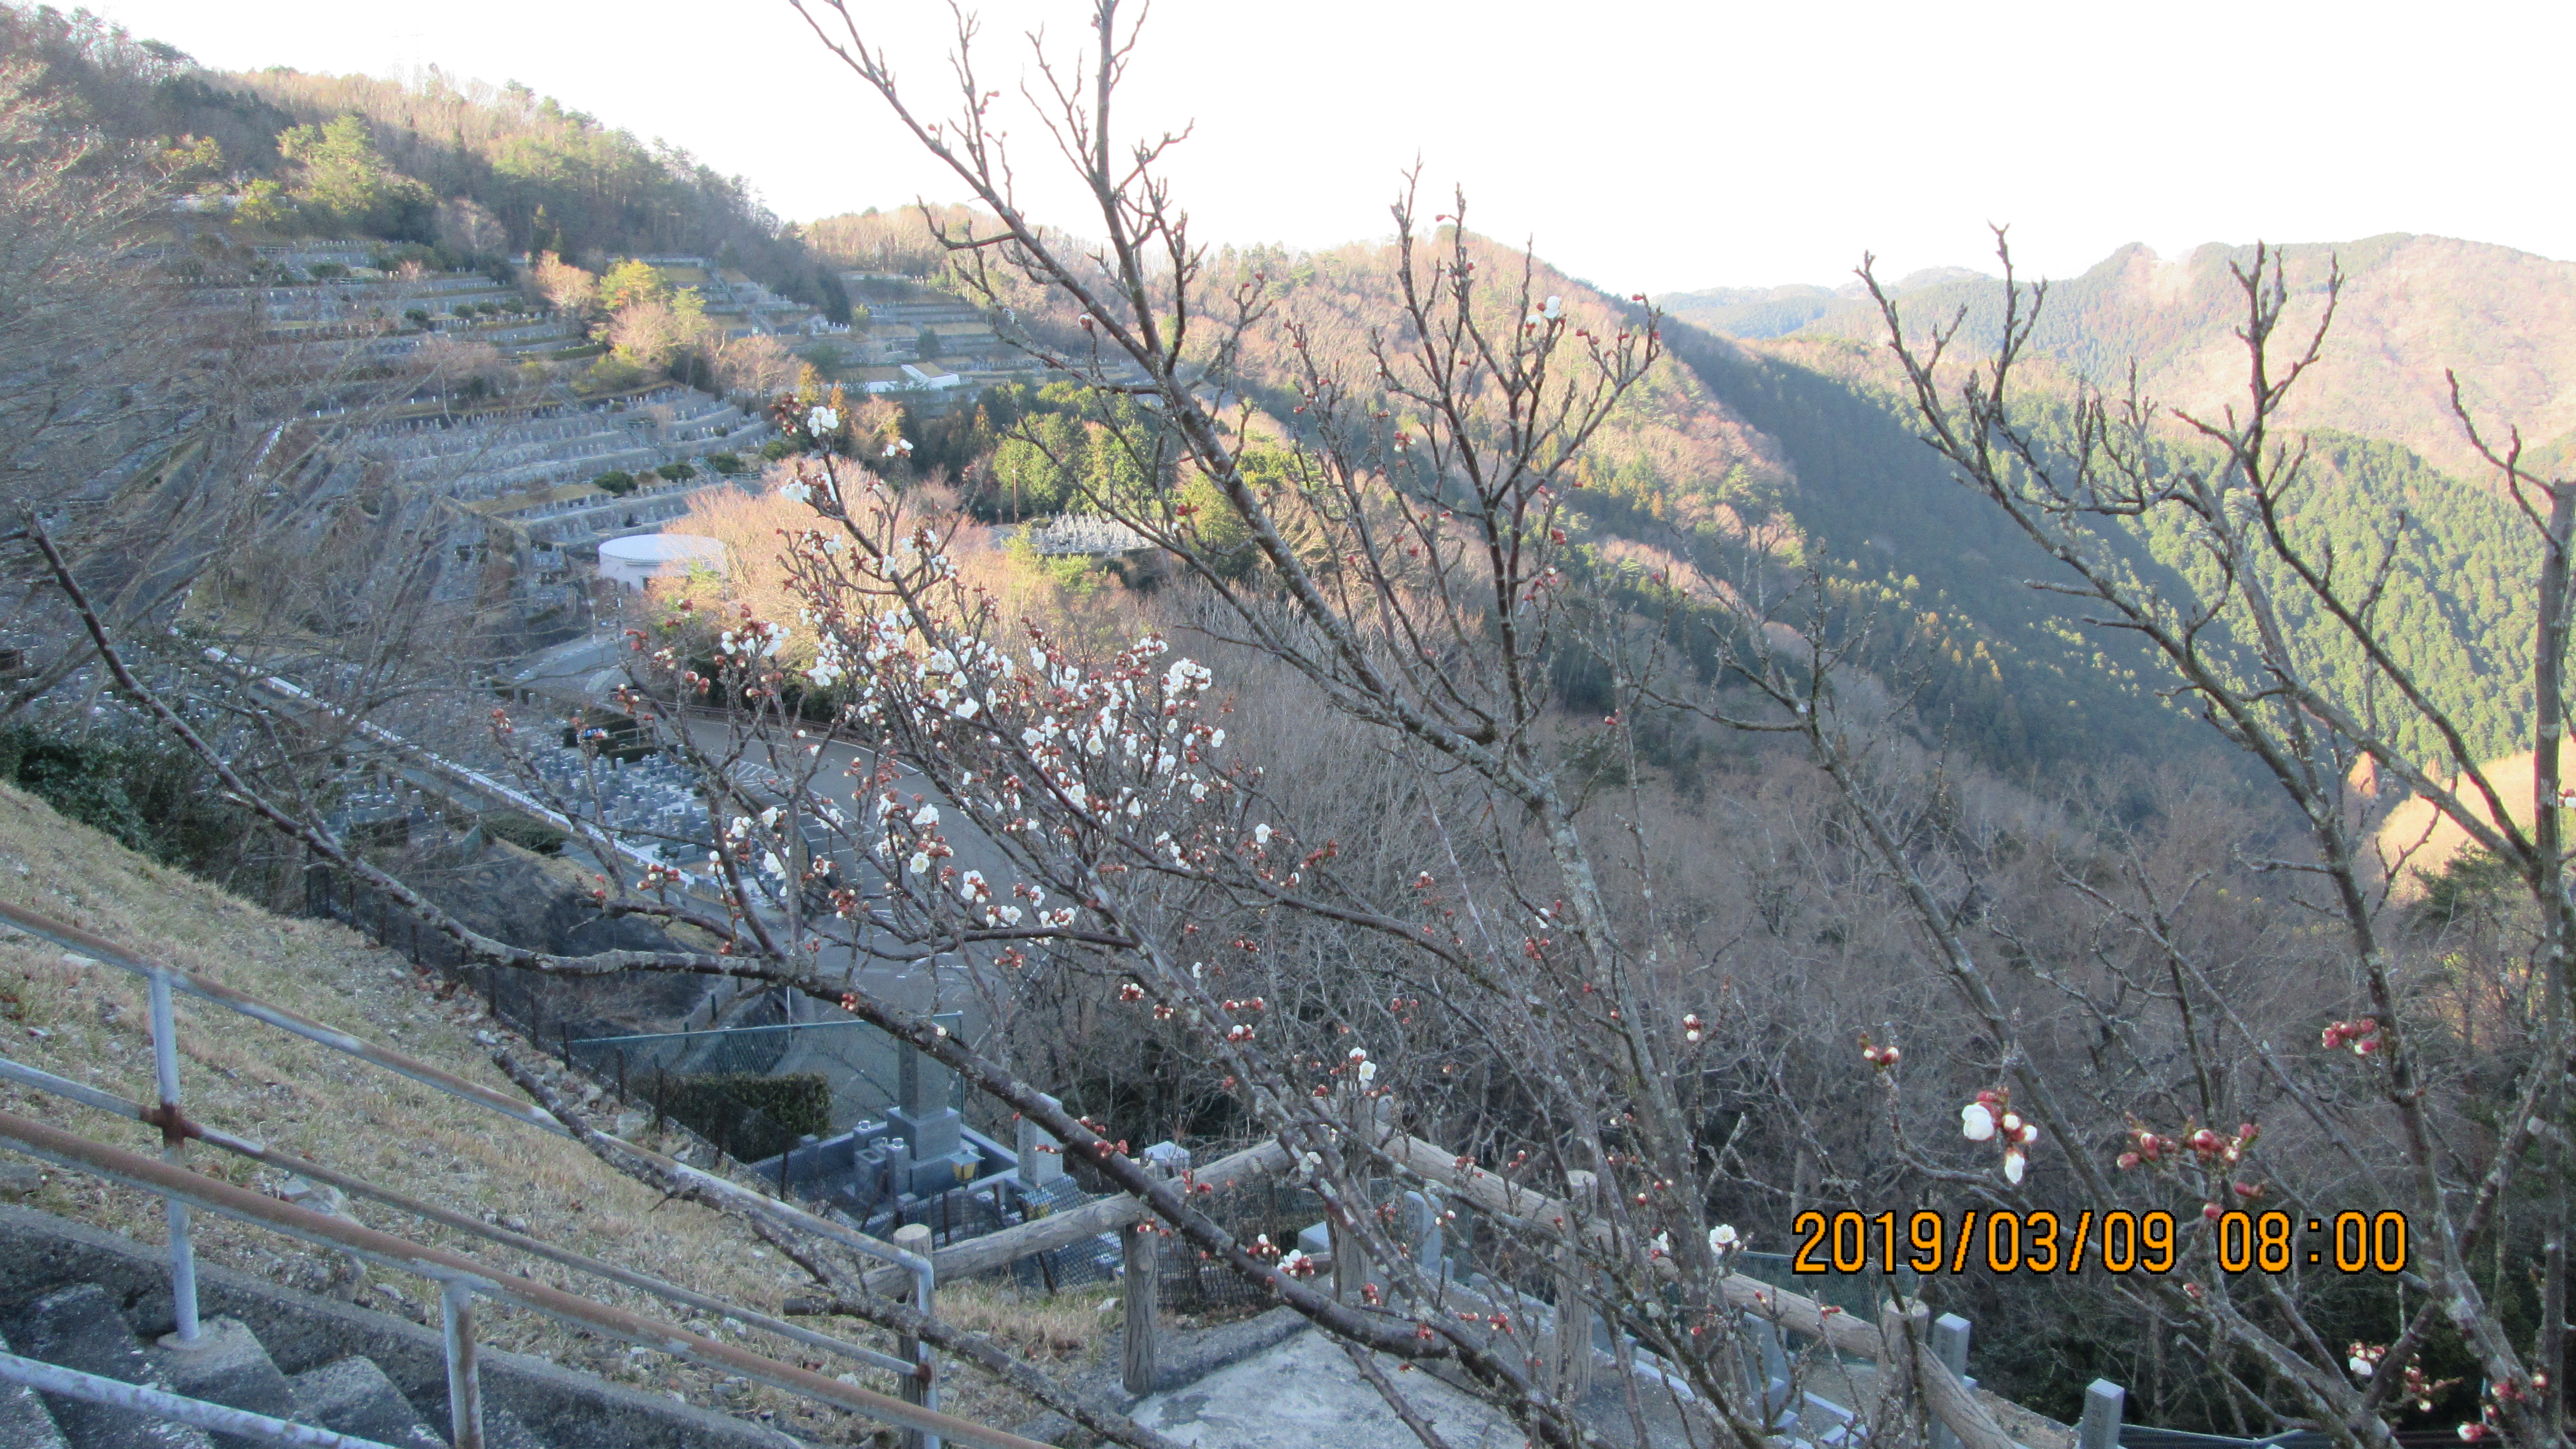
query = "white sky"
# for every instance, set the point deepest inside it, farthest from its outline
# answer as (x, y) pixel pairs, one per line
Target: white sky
(1644, 146)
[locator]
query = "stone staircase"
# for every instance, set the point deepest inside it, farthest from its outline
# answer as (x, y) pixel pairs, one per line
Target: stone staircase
(82, 1299)
(82, 1328)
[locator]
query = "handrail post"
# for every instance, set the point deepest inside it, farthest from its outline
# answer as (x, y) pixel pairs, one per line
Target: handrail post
(165, 1074)
(464, 1375)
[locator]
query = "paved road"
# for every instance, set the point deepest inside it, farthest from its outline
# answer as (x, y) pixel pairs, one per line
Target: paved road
(1304, 1394)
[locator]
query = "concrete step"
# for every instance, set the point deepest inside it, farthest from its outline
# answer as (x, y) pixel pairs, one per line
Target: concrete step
(502, 1430)
(226, 1365)
(82, 1327)
(353, 1396)
(528, 1403)
(25, 1422)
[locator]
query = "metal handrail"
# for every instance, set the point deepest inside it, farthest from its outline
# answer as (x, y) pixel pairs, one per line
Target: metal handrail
(204, 989)
(165, 980)
(461, 1279)
(259, 1152)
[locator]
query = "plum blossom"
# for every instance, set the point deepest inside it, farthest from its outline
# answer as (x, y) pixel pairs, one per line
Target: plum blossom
(1990, 1118)
(1723, 1240)
(920, 862)
(822, 420)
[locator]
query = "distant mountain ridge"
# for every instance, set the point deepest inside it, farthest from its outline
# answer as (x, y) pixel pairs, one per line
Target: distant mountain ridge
(2412, 306)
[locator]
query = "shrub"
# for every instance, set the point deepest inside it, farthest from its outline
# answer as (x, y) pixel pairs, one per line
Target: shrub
(150, 795)
(751, 1116)
(722, 463)
(519, 830)
(678, 472)
(775, 449)
(326, 271)
(393, 259)
(612, 373)
(417, 317)
(616, 482)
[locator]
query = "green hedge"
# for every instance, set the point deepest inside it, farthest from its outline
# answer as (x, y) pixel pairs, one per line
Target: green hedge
(751, 1117)
(524, 833)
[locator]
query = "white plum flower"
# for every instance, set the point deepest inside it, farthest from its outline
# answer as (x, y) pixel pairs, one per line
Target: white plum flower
(2014, 1164)
(925, 817)
(821, 420)
(920, 862)
(1261, 835)
(1977, 1122)
(1217, 741)
(1554, 309)
(1368, 1073)
(1722, 1240)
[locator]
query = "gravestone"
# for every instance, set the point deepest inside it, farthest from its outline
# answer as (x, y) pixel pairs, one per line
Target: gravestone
(1422, 1231)
(935, 1130)
(1041, 1157)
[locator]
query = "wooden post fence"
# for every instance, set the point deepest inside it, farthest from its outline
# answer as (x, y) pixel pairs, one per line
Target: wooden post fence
(1140, 1290)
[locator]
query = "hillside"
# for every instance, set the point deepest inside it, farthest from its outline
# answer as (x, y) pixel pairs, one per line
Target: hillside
(2412, 306)
(476, 170)
(87, 1021)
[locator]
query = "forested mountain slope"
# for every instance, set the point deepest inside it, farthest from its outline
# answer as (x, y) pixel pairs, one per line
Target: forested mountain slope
(1805, 435)
(2390, 465)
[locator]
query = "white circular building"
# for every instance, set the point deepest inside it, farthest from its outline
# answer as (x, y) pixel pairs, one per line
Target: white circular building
(644, 557)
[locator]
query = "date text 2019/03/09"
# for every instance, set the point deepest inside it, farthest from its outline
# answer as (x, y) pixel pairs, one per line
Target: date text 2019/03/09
(2116, 1241)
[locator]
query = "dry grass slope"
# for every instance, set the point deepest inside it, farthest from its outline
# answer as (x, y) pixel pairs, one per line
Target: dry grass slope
(88, 1022)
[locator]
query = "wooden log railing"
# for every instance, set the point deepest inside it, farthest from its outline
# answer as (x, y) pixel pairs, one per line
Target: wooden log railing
(1104, 1215)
